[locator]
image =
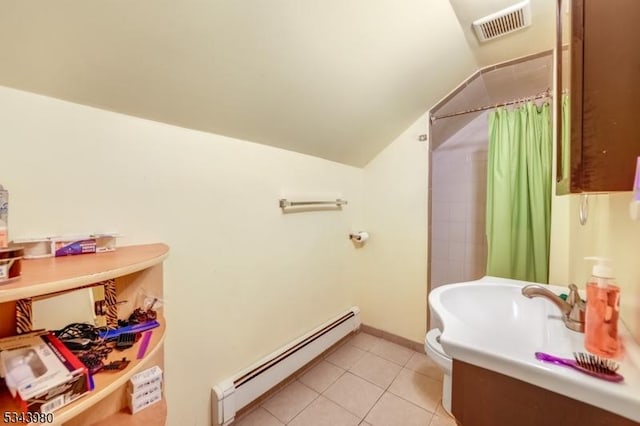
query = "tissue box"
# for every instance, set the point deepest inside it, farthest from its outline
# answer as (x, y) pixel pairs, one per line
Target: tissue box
(40, 372)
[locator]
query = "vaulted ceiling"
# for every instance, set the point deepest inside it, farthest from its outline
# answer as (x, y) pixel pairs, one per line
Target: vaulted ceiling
(338, 79)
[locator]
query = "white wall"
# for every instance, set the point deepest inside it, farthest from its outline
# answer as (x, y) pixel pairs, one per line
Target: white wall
(242, 278)
(393, 286)
(609, 232)
(560, 241)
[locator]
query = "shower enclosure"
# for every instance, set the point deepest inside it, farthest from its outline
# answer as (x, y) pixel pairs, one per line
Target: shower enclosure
(458, 203)
(458, 167)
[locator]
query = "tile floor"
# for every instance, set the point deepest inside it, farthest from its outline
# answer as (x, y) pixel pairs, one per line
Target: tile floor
(365, 381)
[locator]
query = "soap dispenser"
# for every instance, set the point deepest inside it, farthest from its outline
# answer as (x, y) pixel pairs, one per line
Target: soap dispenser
(603, 308)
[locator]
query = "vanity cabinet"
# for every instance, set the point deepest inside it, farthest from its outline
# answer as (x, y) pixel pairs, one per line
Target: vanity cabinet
(601, 73)
(129, 270)
(481, 397)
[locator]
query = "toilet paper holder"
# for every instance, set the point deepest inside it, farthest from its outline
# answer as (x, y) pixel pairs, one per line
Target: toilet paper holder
(359, 237)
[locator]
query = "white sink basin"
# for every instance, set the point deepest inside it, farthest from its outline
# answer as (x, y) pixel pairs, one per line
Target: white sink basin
(490, 324)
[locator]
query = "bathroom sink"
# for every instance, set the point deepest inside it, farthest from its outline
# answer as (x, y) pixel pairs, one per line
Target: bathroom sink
(489, 323)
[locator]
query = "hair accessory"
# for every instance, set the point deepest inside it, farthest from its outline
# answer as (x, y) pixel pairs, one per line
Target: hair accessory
(135, 328)
(117, 365)
(77, 330)
(125, 341)
(140, 315)
(586, 363)
(146, 337)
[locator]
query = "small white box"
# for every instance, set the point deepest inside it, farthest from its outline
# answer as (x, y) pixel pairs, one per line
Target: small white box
(143, 379)
(142, 403)
(144, 393)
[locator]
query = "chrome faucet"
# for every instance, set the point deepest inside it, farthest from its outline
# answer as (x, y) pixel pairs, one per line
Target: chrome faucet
(572, 309)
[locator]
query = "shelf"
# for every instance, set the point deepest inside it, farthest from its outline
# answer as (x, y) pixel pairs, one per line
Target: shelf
(54, 274)
(105, 382)
(154, 415)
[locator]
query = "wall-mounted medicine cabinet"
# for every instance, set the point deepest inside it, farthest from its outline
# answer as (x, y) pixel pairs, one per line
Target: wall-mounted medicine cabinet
(598, 91)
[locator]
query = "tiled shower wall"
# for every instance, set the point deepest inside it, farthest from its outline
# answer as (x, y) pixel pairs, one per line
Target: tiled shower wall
(458, 203)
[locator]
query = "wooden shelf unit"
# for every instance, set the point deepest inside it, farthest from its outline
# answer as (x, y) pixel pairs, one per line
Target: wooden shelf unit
(55, 274)
(133, 268)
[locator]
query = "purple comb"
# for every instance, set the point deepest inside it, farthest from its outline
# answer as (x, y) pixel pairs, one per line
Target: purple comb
(586, 363)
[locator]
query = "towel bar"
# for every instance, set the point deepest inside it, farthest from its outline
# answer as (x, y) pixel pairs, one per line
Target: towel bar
(286, 203)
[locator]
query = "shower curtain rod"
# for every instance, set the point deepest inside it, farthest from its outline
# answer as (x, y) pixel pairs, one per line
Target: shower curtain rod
(543, 95)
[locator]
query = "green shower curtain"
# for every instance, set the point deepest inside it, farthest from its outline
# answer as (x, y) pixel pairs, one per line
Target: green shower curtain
(519, 193)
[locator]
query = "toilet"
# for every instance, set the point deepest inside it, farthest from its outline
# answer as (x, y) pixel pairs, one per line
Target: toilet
(434, 350)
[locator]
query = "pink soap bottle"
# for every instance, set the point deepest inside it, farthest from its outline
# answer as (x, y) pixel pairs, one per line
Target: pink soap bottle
(603, 309)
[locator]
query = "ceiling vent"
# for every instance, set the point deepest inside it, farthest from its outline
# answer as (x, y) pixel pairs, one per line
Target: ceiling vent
(503, 22)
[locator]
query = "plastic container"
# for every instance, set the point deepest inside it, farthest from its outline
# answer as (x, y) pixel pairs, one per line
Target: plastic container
(603, 310)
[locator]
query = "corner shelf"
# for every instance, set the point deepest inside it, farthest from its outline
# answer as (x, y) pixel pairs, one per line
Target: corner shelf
(57, 274)
(103, 405)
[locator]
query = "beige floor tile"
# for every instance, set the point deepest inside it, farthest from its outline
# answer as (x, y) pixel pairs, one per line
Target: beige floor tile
(377, 370)
(440, 411)
(424, 365)
(320, 377)
(392, 352)
(442, 421)
(323, 412)
(290, 401)
(363, 423)
(391, 410)
(258, 417)
(416, 388)
(353, 393)
(345, 356)
(364, 341)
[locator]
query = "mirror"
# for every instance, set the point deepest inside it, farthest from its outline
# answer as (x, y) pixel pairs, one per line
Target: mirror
(95, 304)
(562, 95)
(55, 312)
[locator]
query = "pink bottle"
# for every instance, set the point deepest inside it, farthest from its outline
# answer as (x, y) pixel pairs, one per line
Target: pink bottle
(603, 310)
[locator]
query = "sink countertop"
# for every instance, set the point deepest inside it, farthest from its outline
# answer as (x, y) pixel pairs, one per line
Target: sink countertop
(487, 339)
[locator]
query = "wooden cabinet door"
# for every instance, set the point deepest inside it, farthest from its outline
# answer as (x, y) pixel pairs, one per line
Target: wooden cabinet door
(605, 94)
(482, 397)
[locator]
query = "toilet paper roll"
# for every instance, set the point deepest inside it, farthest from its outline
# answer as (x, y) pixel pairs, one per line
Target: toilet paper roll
(360, 237)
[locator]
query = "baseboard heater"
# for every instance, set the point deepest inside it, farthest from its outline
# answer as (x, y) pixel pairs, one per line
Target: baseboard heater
(235, 393)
